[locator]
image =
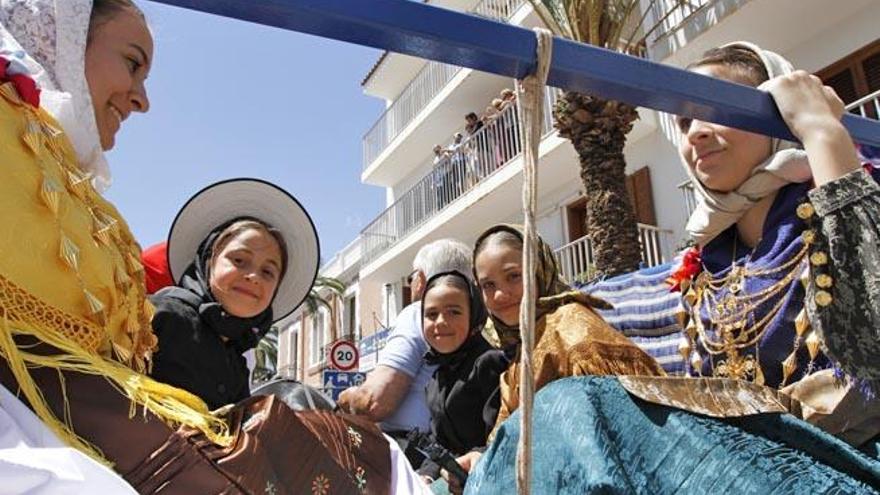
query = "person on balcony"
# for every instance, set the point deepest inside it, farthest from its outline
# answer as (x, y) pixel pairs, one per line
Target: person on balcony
(472, 123)
(463, 392)
(509, 145)
(440, 176)
(458, 172)
(76, 334)
(394, 393)
(779, 303)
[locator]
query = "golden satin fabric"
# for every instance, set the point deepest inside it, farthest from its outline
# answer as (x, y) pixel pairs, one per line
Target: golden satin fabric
(575, 341)
(71, 277)
(819, 399)
(716, 397)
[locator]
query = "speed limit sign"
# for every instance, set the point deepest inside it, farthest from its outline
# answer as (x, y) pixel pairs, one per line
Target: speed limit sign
(343, 355)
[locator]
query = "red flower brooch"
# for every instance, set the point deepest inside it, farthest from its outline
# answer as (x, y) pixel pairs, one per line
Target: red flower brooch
(691, 265)
(24, 84)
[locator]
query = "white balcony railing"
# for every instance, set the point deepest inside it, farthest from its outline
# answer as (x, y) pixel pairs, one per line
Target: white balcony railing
(669, 15)
(577, 262)
(868, 106)
(689, 197)
(423, 88)
(468, 164)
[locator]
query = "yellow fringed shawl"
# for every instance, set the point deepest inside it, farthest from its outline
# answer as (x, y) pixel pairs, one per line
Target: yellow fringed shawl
(71, 277)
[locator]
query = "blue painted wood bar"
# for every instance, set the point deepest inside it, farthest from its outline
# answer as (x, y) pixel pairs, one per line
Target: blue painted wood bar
(422, 30)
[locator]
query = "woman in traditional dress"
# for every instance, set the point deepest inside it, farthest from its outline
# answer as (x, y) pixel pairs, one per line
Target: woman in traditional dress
(759, 345)
(75, 333)
(570, 338)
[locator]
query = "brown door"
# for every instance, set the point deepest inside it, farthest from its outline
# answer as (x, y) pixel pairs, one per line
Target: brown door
(576, 215)
(641, 197)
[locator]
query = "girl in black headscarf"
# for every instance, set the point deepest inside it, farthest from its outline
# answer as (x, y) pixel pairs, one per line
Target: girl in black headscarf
(230, 252)
(463, 393)
(220, 309)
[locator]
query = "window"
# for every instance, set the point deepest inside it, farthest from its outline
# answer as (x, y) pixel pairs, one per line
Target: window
(389, 304)
(349, 318)
(317, 337)
(288, 351)
(855, 76)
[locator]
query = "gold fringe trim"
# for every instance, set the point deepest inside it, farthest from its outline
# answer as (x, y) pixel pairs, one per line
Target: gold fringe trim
(172, 405)
(9, 92)
(96, 307)
(51, 194)
(78, 183)
(134, 263)
(69, 252)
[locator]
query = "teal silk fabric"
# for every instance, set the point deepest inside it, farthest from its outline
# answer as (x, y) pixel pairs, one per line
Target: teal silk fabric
(591, 436)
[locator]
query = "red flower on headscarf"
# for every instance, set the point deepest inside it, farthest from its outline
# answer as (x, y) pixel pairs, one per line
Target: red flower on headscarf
(157, 275)
(24, 84)
(691, 265)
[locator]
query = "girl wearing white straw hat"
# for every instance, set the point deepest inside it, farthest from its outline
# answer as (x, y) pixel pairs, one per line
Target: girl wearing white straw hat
(243, 254)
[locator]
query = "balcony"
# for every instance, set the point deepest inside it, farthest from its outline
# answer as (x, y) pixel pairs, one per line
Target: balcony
(689, 197)
(868, 107)
(577, 264)
(667, 16)
(469, 164)
(423, 88)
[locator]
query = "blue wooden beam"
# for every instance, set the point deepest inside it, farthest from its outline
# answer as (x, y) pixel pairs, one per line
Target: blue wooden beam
(422, 30)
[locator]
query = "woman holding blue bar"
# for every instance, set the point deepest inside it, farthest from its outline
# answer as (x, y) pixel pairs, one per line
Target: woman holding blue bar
(780, 305)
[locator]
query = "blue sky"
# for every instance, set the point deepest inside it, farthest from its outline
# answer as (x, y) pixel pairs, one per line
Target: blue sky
(232, 99)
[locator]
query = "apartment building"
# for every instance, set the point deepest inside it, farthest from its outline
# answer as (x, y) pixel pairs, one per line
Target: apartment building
(479, 184)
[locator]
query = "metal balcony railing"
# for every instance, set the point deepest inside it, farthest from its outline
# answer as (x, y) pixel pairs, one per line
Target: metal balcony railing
(669, 15)
(423, 88)
(689, 195)
(462, 168)
(577, 263)
(868, 106)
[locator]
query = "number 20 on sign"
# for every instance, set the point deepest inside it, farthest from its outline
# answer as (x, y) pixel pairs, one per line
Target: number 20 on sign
(344, 356)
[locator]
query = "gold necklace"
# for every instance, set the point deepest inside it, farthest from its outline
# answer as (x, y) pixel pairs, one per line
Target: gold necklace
(733, 328)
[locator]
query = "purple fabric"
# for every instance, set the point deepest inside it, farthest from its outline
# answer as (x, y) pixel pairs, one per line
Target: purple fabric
(781, 241)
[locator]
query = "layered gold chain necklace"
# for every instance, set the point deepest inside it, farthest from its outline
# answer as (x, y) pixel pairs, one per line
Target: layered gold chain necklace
(733, 325)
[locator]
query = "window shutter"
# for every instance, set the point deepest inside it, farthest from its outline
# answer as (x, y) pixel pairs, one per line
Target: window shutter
(844, 85)
(871, 67)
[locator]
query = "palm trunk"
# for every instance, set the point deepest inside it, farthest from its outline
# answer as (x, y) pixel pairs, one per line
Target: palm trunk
(597, 129)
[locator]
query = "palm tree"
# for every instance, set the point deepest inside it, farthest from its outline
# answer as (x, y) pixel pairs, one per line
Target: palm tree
(597, 127)
(266, 357)
(314, 300)
(266, 352)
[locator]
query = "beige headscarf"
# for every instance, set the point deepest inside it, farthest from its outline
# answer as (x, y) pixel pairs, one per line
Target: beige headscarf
(552, 291)
(787, 164)
(48, 39)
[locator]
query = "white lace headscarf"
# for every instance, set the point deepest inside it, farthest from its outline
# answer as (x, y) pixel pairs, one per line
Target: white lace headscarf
(47, 40)
(716, 211)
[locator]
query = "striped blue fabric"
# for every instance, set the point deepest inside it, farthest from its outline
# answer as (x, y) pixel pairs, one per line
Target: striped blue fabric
(645, 311)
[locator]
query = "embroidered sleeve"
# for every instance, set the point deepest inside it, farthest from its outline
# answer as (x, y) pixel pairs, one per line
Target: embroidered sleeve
(843, 292)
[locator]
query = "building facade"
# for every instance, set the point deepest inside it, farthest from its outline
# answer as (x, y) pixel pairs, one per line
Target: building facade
(478, 182)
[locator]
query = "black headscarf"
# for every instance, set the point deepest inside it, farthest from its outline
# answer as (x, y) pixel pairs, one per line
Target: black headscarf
(478, 317)
(194, 289)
